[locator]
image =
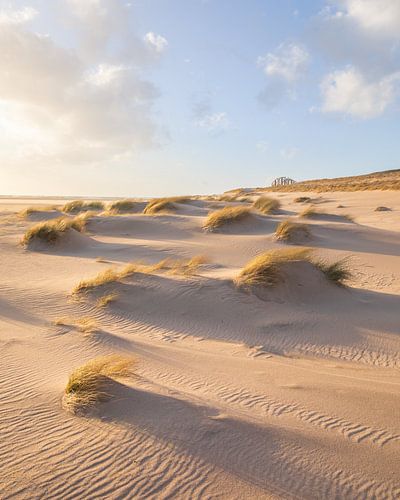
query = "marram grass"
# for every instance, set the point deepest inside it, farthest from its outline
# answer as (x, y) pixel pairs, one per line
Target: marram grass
(226, 215)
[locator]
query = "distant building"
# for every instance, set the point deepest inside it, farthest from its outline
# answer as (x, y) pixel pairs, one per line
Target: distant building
(282, 181)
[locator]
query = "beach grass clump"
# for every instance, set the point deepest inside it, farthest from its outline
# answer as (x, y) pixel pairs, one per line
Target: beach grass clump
(226, 215)
(104, 278)
(267, 205)
(51, 231)
(310, 212)
(107, 299)
(288, 231)
(382, 209)
(87, 385)
(265, 269)
(159, 205)
(185, 267)
(174, 266)
(337, 272)
(122, 206)
(76, 206)
(34, 210)
(302, 199)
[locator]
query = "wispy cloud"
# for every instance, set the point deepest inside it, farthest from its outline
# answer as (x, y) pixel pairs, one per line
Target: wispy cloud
(156, 42)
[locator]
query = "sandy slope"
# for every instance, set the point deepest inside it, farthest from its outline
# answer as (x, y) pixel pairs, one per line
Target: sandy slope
(292, 395)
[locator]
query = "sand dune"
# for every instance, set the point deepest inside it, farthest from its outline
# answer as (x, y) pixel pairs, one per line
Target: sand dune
(288, 391)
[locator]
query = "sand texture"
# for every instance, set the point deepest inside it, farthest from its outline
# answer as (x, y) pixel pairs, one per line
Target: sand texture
(292, 391)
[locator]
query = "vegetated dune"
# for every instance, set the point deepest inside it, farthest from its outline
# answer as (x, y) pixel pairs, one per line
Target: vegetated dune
(386, 180)
(242, 386)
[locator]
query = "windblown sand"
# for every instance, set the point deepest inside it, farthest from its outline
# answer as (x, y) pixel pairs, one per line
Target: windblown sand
(295, 395)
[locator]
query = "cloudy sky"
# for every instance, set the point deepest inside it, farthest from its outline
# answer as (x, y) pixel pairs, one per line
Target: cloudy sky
(163, 97)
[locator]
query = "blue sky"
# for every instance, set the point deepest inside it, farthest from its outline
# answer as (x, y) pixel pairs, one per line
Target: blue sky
(157, 97)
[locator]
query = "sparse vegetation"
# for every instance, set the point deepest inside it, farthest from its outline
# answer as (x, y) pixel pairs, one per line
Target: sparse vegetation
(266, 269)
(122, 206)
(267, 205)
(111, 275)
(87, 384)
(105, 300)
(77, 206)
(86, 324)
(302, 199)
(386, 180)
(158, 205)
(337, 272)
(288, 231)
(24, 214)
(310, 212)
(50, 231)
(108, 276)
(382, 209)
(224, 216)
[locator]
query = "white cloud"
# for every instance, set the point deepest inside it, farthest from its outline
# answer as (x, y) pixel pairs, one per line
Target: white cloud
(289, 153)
(214, 122)
(348, 92)
(17, 16)
(379, 16)
(86, 105)
(288, 62)
(156, 42)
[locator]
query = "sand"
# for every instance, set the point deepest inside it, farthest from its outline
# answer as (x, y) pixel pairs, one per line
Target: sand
(294, 394)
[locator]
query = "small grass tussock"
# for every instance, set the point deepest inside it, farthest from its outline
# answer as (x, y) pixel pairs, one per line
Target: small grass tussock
(310, 212)
(225, 215)
(264, 269)
(267, 205)
(382, 209)
(77, 206)
(158, 205)
(107, 299)
(50, 231)
(121, 206)
(105, 277)
(337, 272)
(87, 384)
(26, 212)
(287, 231)
(174, 266)
(86, 324)
(302, 199)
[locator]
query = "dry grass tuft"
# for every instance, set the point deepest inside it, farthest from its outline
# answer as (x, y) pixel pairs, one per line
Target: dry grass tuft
(310, 212)
(51, 231)
(289, 231)
(382, 209)
(122, 206)
(105, 300)
(87, 384)
(267, 205)
(87, 324)
(24, 214)
(225, 215)
(112, 275)
(302, 199)
(337, 272)
(76, 206)
(158, 205)
(265, 269)
(108, 276)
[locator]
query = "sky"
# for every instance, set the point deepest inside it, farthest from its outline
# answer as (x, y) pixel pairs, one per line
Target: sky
(174, 97)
